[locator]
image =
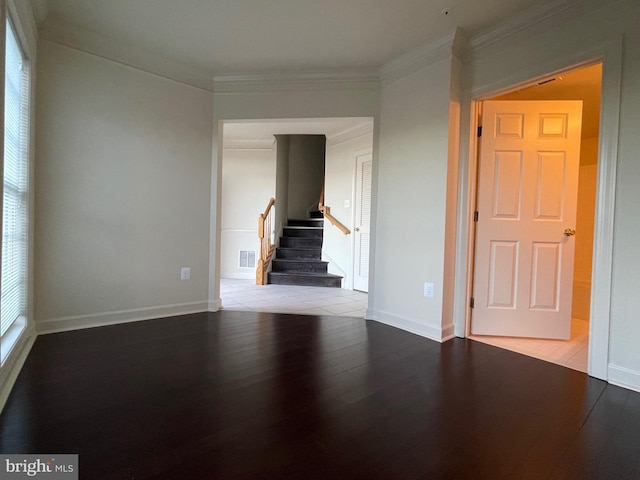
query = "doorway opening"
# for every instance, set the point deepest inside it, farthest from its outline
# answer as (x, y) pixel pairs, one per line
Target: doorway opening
(583, 84)
(253, 172)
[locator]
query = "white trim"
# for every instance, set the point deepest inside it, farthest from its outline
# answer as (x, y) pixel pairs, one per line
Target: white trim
(610, 54)
(24, 22)
(417, 59)
(277, 82)
(624, 377)
(11, 369)
(250, 275)
(333, 267)
(349, 133)
(215, 305)
(267, 144)
(432, 333)
(241, 230)
(92, 43)
(602, 269)
(551, 13)
(76, 322)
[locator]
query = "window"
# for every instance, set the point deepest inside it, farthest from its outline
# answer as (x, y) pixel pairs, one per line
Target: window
(15, 202)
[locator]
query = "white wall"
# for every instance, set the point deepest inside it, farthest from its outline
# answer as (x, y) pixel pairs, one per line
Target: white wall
(547, 46)
(412, 200)
(248, 182)
(124, 161)
(337, 248)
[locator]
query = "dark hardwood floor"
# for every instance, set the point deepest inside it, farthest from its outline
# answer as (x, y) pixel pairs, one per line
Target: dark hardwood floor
(234, 395)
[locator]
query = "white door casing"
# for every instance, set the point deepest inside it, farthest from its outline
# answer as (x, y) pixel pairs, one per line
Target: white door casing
(362, 221)
(527, 193)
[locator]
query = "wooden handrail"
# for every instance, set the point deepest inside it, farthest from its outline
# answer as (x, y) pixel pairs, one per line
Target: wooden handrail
(265, 221)
(326, 211)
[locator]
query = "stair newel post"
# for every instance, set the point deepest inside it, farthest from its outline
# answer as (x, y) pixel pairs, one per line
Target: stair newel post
(266, 244)
(259, 267)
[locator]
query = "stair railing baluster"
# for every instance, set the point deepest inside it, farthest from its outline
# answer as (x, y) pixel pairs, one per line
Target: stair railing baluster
(266, 242)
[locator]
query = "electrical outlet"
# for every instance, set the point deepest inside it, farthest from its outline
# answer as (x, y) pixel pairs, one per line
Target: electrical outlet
(347, 203)
(185, 273)
(429, 289)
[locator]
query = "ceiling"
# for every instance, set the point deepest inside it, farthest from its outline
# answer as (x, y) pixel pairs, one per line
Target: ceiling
(217, 37)
(255, 36)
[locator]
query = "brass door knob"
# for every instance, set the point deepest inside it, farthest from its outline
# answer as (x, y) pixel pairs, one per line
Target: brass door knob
(357, 229)
(569, 232)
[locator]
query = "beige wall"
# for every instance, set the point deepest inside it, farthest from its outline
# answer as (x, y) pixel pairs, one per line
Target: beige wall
(412, 201)
(337, 248)
(248, 182)
(122, 182)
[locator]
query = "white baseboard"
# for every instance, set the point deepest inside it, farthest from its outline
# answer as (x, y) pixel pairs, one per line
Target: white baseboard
(448, 332)
(11, 369)
(624, 377)
(240, 275)
(427, 331)
(63, 324)
(215, 305)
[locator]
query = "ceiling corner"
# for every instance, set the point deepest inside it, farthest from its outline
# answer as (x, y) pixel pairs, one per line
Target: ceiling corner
(40, 10)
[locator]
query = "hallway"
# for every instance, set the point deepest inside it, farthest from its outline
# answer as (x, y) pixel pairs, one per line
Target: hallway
(244, 295)
(571, 353)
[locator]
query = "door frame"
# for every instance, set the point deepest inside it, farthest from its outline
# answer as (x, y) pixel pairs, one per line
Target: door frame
(354, 203)
(608, 53)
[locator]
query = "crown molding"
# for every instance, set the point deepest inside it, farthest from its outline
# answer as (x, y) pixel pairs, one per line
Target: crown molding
(552, 13)
(249, 144)
(418, 58)
(274, 82)
(25, 25)
(350, 133)
(89, 42)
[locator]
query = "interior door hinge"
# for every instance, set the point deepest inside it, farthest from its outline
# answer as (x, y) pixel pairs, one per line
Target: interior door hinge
(479, 131)
(471, 302)
(475, 216)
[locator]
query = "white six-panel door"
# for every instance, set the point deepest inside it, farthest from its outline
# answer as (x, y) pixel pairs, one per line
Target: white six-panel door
(527, 195)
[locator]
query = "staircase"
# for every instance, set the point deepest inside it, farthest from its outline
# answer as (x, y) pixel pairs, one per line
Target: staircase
(298, 260)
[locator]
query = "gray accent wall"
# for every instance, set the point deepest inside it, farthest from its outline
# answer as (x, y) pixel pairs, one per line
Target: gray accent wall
(306, 173)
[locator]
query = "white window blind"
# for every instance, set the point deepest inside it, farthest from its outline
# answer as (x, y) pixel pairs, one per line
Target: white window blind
(15, 198)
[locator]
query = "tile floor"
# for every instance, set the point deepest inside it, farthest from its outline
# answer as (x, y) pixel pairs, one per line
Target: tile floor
(569, 353)
(246, 295)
